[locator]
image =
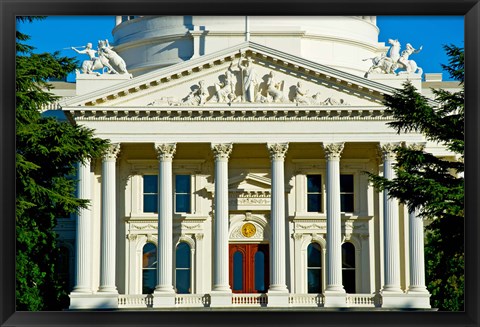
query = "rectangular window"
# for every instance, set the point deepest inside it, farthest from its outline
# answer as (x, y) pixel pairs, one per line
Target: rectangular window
(182, 193)
(346, 193)
(314, 193)
(150, 193)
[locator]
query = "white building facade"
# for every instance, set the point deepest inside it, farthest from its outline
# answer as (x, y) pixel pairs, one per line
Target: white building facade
(236, 175)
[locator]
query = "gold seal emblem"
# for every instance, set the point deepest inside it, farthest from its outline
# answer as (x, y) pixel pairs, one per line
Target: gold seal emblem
(248, 230)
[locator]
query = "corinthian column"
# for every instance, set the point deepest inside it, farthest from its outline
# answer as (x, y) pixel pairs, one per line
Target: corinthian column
(417, 256)
(220, 236)
(277, 219)
(390, 225)
(165, 216)
(334, 223)
(108, 255)
(83, 283)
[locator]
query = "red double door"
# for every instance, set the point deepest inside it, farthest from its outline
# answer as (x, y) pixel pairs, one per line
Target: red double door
(249, 268)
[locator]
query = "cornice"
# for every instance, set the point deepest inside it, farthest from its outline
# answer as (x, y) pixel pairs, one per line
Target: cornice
(233, 113)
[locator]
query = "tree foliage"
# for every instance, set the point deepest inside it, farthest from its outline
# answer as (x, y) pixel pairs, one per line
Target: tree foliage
(434, 186)
(47, 151)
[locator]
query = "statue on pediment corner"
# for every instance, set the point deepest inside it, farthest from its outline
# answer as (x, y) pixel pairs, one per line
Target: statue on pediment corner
(107, 59)
(395, 60)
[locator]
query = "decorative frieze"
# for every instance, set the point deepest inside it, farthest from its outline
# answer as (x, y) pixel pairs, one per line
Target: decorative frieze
(165, 151)
(320, 226)
(222, 150)
(277, 150)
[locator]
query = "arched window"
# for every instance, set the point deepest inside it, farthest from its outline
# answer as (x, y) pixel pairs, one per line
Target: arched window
(182, 269)
(348, 267)
(149, 268)
(314, 268)
(259, 264)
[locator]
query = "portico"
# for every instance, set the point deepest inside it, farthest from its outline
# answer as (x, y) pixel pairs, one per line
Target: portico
(206, 199)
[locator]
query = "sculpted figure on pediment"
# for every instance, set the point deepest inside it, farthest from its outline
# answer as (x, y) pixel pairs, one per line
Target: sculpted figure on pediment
(198, 96)
(334, 102)
(301, 95)
(275, 89)
(249, 79)
(165, 101)
(225, 92)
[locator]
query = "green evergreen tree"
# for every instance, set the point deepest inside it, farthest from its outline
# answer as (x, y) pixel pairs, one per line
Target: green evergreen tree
(432, 185)
(47, 151)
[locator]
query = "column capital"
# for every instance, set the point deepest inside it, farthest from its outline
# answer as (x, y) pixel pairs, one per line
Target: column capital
(111, 153)
(333, 150)
(165, 151)
(277, 150)
(222, 150)
(416, 146)
(388, 149)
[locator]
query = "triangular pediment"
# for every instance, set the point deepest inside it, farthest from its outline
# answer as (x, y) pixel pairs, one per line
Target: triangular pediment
(281, 79)
(249, 182)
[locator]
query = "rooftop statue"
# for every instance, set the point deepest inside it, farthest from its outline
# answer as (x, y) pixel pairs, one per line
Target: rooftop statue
(107, 58)
(395, 60)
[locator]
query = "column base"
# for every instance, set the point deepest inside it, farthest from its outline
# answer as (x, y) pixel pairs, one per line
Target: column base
(108, 289)
(277, 299)
(93, 301)
(163, 300)
(220, 299)
(164, 290)
(82, 290)
(278, 289)
(335, 299)
(405, 300)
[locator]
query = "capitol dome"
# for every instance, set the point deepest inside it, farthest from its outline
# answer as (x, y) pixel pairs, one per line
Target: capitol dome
(150, 42)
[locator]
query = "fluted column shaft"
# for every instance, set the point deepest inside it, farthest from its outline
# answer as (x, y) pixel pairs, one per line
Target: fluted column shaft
(277, 219)
(417, 255)
(334, 223)
(390, 225)
(83, 249)
(108, 254)
(220, 237)
(165, 216)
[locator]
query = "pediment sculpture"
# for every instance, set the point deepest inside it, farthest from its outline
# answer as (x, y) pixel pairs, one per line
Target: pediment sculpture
(389, 64)
(267, 89)
(107, 59)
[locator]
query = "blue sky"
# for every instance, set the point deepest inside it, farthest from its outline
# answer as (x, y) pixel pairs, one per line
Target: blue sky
(58, 32)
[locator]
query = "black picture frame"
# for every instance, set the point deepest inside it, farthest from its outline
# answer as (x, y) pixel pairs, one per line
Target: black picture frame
(10, 8)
